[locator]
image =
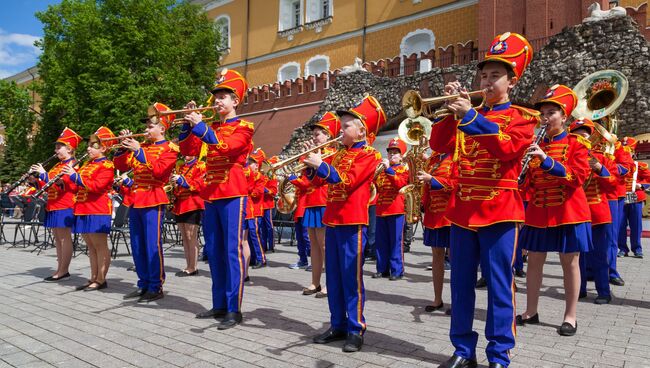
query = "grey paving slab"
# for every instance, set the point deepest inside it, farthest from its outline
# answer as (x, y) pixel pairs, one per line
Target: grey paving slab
(46, 325)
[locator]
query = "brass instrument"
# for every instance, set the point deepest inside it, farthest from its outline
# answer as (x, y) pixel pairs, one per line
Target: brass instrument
(119, 138)
(416, 132)
(286, 202)
(525, 165)
(56, 178)
(631, 197)
(373, 187)
(26, 175)
(414, 105)
(599, 95)
(152, 111)
(293, 164)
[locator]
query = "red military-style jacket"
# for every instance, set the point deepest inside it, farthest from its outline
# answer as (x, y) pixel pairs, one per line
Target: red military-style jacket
(596, 188)
(389, 182)
(229, 144)
(349, 177)
(436, 196)
(59, 197)
(125, 191)
(300, 205)
(94, 181)
(255, 184)
(270, 191)
(188, 187)
(489, 145)
(315, 191)
(557, 196)
(625, 168)
(152, 166)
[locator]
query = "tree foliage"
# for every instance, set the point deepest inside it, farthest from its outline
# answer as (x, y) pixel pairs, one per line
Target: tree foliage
(18, 121)
(105, 61)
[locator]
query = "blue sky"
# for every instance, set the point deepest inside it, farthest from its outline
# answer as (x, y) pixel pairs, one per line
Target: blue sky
(19, 28)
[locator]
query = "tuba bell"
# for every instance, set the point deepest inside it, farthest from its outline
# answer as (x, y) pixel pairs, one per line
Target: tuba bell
(599, 95)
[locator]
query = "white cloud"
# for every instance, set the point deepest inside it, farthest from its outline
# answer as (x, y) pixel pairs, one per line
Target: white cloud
(17, 50)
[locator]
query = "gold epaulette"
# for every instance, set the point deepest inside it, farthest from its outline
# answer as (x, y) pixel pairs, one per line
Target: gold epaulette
(585, 142)
(527, 113)
(108, 164)
(174, 147)
(247, 124)
(643, 165)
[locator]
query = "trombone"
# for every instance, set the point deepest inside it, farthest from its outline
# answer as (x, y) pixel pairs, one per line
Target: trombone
(414, 105)
(293, 164)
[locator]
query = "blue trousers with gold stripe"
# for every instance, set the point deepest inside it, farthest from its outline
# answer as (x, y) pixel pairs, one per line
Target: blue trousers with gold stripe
(302, 239)
(493, 247)
(632, 215)
(344, 267)
(267, 230)
(390, 244)
(597, 260)
(613, 239)
(145, 225)
(223, 223)
(255, 240)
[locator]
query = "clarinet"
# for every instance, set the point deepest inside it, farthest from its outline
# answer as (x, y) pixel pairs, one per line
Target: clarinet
(54, 180)
(26, 175)
(526, 163)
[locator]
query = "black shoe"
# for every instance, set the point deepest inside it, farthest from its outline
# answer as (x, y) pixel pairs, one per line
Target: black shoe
(230, 320)
(496, 365)
(567, 330)
(617, 281)
(150, 296)
(184, 273)
(582, 295)
(258, 265)
(457, 362)
(380, 275)
(55, 279)
(530, 320)
(81, 287)
(520, 273)
(603, 300)
(212, 313)
(134, 294)
(330, 335)
(448, 312)
(433, 308)
(247, 279)
(481, 283)
(395, 277)
(524, 258)
(308, 291)
(407, 249)
(353, 343)
(101, 286)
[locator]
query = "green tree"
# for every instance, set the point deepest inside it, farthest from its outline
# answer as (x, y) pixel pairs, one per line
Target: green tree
(105, 61)
(18, 121)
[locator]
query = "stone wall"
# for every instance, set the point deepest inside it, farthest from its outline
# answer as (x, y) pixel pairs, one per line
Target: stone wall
(567, 58)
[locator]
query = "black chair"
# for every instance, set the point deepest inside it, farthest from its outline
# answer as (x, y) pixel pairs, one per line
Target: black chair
(120, 230)
(24, 226)
(281, 222)
(48, 237)
(170, 230)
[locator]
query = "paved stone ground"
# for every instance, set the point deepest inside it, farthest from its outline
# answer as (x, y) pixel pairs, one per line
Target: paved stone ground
(44, 324)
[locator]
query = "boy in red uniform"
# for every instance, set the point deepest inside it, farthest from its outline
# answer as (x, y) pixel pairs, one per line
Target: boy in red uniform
(488, 144)
(188, 209)
(152, 164)
(346, 216)
(390, 213)
(254, 212)
(633, 208)
(229, 142)
(59, 215)
(93, 207)
(270, 191)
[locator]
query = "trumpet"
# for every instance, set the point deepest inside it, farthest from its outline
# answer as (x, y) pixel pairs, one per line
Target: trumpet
(26, 175)
(414, 105)
(152, 111)
(55, 179)
(119, 138)
(526, 163)
(293, 164)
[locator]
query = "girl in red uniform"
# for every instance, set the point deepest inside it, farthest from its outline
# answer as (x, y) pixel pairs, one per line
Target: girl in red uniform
(59, 215)
(93, 207)
(557, 216)
(188, 209)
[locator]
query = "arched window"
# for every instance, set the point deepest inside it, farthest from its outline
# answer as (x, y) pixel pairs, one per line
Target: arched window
(420, 40)
(222, 23)
(317, 65)
(288, 71)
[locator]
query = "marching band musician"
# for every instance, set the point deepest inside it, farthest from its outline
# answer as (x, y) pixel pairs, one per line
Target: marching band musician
(229, 143)
(599, 182)
(93, 207)
(346, 215)
(254, 212)
(486, 206)
(440, 174)
(625, 165)
(633, 210)
(268, 204)
(557, 216)
(59, 215)
(302, 236)
(327, 128)
(152, 164)
(188, 209)
(390, 213)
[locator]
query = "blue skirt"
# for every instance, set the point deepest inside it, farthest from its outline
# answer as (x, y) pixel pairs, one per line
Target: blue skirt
(313, 217)
(59, 218)
(92, 224)
(437, 238)
(564, 239)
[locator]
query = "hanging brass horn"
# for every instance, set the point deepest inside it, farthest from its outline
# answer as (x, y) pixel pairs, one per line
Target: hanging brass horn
(599, 95)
